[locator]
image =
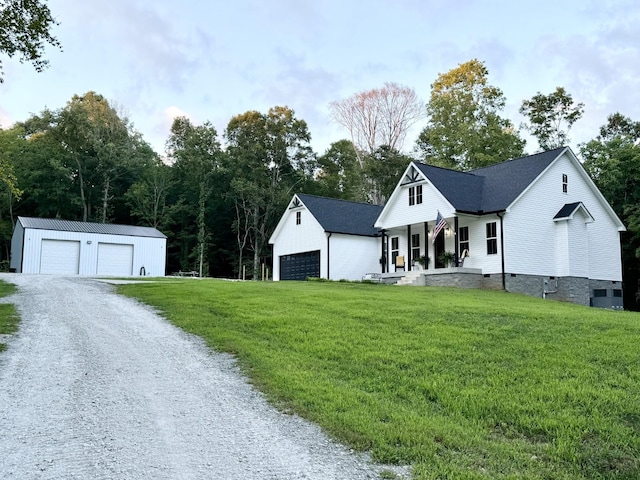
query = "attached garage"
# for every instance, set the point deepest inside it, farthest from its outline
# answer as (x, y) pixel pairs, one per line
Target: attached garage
(62, 247)
(320, 237)
(300, 266)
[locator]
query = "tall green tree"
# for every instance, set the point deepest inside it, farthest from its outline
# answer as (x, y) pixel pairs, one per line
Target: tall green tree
(385, 166)
(340, 175)
(269, 156)
(41, 174)
(10, 145)
(465, 129)
(96, 149)
(551, 117)
(613, 162)
(103, 150)
(197, 160)
(25, 30)
(147, 198)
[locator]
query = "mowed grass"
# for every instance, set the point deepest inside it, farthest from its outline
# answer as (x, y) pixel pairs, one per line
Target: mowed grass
(461, 384)
(8, 317)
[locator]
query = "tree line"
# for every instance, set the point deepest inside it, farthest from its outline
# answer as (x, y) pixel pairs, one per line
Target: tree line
(218, 196)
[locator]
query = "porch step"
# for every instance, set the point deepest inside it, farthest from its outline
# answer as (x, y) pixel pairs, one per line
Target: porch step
(409, 278)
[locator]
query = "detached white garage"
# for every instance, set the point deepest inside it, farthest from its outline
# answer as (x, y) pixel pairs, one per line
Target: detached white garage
(64, 247)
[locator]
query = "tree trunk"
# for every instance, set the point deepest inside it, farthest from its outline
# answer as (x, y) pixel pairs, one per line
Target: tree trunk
(85, 209)
(202, 233)
(105, 199)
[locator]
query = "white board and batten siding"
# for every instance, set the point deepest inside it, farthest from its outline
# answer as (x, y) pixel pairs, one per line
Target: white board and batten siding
(67, 252)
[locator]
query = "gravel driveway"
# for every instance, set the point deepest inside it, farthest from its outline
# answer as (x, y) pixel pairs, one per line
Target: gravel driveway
(97, 386)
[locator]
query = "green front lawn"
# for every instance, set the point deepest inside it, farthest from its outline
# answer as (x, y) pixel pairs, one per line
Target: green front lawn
(461, 384)
(8, 317)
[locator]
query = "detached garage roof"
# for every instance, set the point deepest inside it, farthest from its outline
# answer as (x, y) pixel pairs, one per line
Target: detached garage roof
(88, 227)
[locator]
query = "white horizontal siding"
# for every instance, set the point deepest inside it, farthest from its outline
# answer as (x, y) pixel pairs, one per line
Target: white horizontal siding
(530, 232)
(352, 256)
(478, 256)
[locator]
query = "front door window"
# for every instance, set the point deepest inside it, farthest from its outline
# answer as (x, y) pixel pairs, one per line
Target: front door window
(438, 247)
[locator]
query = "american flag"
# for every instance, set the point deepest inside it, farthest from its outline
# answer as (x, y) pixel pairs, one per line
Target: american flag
(440, 224)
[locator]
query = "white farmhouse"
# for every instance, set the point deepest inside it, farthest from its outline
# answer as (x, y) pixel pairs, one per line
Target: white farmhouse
(63, 247)
(536, 225)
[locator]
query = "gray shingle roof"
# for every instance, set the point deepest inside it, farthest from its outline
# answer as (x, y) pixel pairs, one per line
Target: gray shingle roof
(342, 216)
(569, 209)
(87, 227)
(489, 189)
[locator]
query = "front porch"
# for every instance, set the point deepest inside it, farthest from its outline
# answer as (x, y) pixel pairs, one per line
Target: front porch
(461, 277)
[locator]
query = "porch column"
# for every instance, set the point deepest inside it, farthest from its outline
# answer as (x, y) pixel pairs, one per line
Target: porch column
(455, 240)
(426, 243)
(383, 253)
(410, 261)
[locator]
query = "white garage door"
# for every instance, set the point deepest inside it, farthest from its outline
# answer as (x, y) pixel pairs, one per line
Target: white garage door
(115, 259)
(61, 257)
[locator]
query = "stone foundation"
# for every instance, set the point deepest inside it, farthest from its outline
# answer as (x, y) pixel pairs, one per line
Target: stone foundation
(578, 290)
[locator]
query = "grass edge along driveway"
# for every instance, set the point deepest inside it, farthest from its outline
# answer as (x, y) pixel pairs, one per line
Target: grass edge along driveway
(8, 316)
(461, 384)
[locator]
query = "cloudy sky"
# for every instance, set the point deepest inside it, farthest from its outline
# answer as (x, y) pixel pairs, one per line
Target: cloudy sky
(211, 60)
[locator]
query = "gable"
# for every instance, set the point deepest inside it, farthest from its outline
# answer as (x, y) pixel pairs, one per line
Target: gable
(333, 215)
(395, 210)
(570, 209)
(567, 162)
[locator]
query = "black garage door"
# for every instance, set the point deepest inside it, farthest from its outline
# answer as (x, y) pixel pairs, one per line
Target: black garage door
(300, 266)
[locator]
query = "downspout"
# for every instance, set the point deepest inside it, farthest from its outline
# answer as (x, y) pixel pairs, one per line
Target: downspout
(328, 255)
(504, 279)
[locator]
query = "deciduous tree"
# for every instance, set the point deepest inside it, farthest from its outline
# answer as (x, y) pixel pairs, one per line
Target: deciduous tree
(339, 173)
(465, 130)
(385, 166)
(613, 161)
(551, 117)
(377, 117)
(268, 157)
(197, 157)
(25, 30)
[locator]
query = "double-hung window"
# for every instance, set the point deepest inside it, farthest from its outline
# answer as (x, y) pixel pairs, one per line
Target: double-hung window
(415, 195)
(395, 249)
(415, 246)
(463, 239)
(492, 238)
(298, 218)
